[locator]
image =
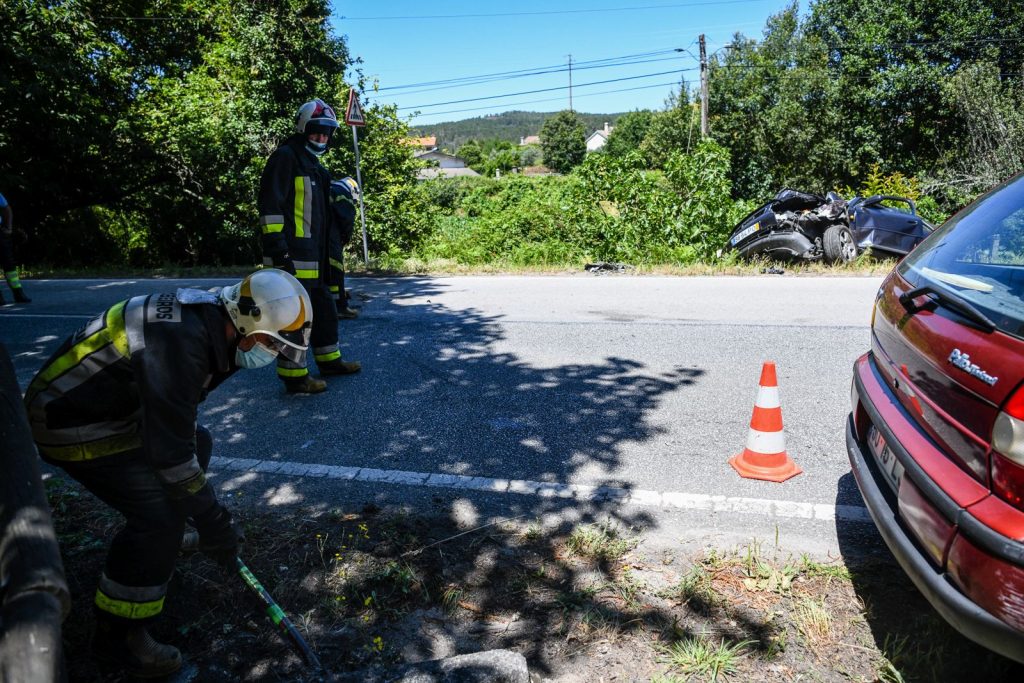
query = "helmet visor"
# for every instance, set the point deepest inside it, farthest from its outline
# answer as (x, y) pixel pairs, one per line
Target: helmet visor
(295, 355)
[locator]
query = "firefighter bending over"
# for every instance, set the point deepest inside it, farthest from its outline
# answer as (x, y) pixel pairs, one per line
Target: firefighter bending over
(116, 406)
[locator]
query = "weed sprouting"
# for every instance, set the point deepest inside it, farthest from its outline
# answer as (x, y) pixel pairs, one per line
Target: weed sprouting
(602, 541)
(697, 656)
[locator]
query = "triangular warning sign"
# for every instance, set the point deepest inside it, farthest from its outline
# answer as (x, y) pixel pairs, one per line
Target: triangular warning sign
(354, 113)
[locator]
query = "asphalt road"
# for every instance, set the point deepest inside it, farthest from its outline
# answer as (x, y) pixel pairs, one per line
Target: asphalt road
(637, 387)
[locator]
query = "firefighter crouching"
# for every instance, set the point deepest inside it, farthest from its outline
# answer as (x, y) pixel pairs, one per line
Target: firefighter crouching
(116, 405)
(295, 217)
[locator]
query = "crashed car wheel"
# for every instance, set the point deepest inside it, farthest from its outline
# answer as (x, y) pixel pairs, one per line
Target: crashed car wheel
(838, 244)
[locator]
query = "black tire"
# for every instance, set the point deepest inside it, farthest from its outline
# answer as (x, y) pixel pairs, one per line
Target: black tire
(838, 244)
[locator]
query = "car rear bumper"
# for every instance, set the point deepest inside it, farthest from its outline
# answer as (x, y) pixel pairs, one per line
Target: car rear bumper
(934, 583)
(787, 245)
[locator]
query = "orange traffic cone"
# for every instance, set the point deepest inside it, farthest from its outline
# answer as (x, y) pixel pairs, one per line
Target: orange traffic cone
(765, 455)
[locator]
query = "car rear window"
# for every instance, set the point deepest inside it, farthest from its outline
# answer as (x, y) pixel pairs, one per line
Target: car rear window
(979, 256)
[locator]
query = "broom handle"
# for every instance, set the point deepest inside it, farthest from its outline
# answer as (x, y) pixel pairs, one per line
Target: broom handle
(277, 615)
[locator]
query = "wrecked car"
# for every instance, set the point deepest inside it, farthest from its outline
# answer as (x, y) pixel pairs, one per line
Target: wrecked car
(800, 226)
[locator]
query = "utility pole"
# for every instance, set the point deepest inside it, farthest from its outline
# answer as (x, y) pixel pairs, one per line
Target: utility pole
(703, 88)
(570, 82)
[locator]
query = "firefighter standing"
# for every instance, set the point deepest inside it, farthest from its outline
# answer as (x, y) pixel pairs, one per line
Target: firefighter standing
(116, 406)
(7, 261)
(344, 204)
(295, 217)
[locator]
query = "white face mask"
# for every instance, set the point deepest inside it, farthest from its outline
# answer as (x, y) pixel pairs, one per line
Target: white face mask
(256, 357)
(316, 148)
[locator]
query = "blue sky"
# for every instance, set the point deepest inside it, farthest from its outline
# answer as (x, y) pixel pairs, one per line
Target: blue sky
(406, 42)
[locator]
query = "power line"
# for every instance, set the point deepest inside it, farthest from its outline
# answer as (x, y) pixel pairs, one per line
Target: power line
(533, 68)
(540, 90)
(548, 99)
(468, 81)
(549, 12)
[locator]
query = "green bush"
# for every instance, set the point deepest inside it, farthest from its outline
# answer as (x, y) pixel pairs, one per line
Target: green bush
(609, 209)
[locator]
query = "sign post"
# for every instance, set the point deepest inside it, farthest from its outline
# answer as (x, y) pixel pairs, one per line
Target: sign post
(354, 117)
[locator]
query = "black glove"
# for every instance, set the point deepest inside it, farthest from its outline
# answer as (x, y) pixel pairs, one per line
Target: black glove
(218, 537)
(285, 264)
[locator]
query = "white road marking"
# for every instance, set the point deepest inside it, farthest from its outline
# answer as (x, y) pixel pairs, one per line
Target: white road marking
(668, 499)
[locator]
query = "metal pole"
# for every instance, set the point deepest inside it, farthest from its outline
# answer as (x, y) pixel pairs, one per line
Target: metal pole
(362, 212)
(570, 82)
(703, 88)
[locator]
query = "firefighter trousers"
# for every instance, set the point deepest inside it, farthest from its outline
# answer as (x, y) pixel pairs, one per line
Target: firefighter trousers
(142, 555)
(324, 337)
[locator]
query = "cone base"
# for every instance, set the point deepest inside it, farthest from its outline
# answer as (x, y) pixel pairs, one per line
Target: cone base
(746, 466)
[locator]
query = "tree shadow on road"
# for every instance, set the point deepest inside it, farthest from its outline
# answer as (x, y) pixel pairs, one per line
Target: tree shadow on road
(453, 392)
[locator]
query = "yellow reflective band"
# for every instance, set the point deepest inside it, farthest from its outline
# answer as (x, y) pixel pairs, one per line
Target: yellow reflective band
(300, 208)
(128, 610)
(307, 274)
(334, 289)
(321, 358)
(336, 264)
(272, 227)
(112, 332)
(292, 372)
(92, 450)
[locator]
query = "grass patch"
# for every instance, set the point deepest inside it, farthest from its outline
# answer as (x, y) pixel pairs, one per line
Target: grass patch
(695, 585)
(813, 621)
(700, 657)
(603, 541)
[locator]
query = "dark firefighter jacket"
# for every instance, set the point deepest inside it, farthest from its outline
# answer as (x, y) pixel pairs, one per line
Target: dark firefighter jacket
(343, 216)
(294, 214)
(128, 384)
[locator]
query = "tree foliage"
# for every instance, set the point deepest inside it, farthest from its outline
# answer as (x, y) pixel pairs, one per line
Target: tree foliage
(629, 133)
(563, 141)
(165, 123)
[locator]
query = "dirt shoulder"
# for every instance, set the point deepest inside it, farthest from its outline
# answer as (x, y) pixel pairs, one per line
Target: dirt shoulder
(591, 602)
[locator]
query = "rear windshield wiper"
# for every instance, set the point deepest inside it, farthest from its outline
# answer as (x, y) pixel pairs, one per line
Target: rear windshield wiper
(949, 300)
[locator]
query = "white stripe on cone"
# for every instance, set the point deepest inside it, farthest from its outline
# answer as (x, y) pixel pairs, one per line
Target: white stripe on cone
(766, 443)
(768, 397)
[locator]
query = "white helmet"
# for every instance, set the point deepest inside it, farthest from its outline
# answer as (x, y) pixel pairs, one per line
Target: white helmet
(316, 117)
(272, 302)
(348, 187)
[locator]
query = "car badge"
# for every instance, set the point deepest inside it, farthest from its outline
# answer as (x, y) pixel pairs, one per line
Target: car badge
(961, 360)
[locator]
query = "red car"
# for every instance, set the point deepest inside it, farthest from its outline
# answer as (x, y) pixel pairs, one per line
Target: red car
(936, 434)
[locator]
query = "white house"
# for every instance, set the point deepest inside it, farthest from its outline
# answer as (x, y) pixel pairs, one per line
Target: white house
(599, 138)
(448, 165)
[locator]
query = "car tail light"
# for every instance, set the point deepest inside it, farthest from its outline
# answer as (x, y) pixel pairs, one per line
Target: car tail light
(1008, 451)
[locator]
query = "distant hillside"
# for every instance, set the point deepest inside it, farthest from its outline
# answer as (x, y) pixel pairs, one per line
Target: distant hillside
(511, 126)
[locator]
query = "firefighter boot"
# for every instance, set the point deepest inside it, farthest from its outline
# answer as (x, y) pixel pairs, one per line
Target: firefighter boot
(339, 367)
(305, 385)
(131, 648)
(345, 312)
(19, 296)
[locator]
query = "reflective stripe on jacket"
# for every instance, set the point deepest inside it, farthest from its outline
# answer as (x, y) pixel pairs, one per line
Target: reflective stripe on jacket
(131, 381)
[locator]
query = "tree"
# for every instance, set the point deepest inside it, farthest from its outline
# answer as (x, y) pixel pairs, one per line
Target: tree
(672, 130)
(629, 132)
(471, 153)
(563, 141)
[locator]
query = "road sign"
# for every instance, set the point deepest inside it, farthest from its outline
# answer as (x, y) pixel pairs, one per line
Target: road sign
(354, 113)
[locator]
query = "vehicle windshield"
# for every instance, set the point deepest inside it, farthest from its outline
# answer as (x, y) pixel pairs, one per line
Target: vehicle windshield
(979, 256)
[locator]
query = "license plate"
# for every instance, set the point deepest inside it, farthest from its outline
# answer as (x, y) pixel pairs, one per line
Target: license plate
(744, 234)
(890, 467)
